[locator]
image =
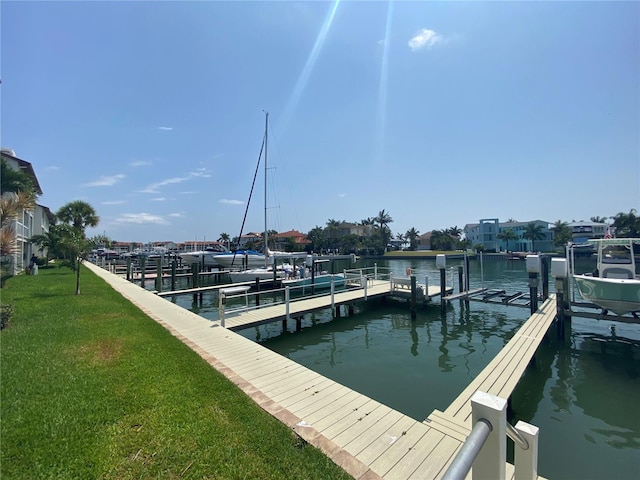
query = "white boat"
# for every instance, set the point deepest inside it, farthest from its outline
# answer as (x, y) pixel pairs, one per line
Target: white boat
(614, 285)
(242, 258)
(206, 257)
(320, 279)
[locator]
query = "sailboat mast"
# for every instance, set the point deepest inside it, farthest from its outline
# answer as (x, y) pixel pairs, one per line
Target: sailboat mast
(266, 235)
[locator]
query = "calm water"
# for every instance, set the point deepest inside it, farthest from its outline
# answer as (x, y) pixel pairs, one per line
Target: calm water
(583, 392)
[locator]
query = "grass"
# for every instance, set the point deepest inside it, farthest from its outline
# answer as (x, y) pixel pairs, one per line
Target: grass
(93, 388)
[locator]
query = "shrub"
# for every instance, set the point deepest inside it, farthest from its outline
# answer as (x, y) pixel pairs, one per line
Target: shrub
(6, 312)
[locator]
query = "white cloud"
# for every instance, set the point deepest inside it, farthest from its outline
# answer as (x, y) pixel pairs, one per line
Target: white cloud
(113, 202)
(176, 215)
(106, 181)
(158, 199)
(425, 38)
(139, 163)
(167, 129)
(141, 219)
(231, 202)
(153, 187)
(342, 195)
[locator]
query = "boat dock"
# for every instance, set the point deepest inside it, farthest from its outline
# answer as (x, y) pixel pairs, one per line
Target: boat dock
(369, 440)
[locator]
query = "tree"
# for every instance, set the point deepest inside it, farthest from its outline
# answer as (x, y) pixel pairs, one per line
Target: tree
(441, 240)
(455, 231)
(627, 225)
(224, 237)
(332, 227)
(506, 235)
(533, 232)
(14, 181)
(17, 194)
(412, 237)
(383, 220)
(76, 215)
(317, 238)
(599, 219)
(562, 234)
(79, 214)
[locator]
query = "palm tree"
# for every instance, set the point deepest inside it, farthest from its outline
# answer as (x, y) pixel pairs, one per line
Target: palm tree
(12, 180)
(79, 214)
(506, 235)
(627, 225)
(562, 234)
(412, 237)
(383, 220)
(599, 219)
(332, 226)
(533, 232)
(455, 231)
(224, 237)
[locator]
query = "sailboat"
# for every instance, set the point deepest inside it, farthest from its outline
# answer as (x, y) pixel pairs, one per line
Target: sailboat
(256, 265)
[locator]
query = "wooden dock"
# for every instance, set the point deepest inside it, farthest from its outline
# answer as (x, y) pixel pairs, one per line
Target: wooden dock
(366, 438)
(502, 374)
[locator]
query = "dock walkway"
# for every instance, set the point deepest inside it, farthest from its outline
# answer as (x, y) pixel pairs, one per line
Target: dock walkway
(502, 374)
(367, 439)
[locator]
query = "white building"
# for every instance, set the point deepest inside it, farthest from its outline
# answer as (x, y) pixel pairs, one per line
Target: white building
(29, 222)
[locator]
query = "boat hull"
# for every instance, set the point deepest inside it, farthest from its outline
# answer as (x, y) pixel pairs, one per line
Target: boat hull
(203, 258)
(250, 275)
(227, 260)
(620, 296)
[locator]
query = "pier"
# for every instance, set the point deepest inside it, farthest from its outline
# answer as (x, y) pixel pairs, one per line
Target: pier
(366, 438)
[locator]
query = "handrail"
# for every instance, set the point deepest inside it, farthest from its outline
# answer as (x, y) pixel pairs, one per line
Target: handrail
(470, 449)
(518, 439)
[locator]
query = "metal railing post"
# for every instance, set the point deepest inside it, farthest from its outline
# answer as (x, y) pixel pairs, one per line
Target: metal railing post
(490, 462)
(526, 460)
(375, 271)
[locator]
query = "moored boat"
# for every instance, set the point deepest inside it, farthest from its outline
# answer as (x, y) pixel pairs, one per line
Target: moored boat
(614, 285)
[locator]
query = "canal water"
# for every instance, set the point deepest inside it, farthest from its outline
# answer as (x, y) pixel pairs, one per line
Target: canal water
(583, 392)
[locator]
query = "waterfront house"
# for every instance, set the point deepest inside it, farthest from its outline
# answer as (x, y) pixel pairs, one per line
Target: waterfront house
(583, 231)
(290, 241)
(486, 233)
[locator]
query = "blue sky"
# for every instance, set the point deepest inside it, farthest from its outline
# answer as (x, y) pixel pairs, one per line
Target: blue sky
(440, 113)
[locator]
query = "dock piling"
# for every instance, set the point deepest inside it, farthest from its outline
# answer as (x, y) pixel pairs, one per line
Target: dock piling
(533, 267)
(414, 294)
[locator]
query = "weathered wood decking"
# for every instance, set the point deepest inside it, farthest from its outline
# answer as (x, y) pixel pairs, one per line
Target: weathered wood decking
(366, 438)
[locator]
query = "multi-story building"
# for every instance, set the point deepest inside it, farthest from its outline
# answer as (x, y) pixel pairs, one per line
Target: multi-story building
(583, 231)
(487, 233)
(29, 222)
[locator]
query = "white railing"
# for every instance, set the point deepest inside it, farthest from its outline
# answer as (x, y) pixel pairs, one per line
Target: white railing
(486, 446)
(232, 293)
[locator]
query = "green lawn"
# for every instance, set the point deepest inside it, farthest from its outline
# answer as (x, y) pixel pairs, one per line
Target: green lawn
(93, 388)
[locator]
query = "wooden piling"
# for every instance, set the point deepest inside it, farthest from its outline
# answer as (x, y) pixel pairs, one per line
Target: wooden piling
(443, 288)
(533, 292)
(414, 294)
(257, 287)
(158, 274)
(174, 267)
(143, 267)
